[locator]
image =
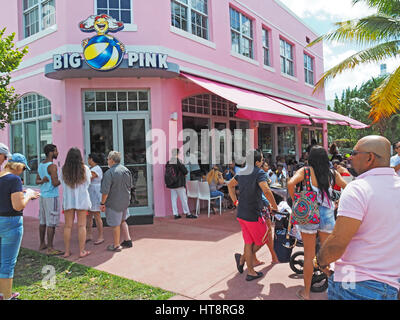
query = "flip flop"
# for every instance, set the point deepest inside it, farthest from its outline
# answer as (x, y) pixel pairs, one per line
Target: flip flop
(98, 242)
(238, 265)
(85, 254)
(55, 252)
(112, 248)
(251, 278)
(298, 294)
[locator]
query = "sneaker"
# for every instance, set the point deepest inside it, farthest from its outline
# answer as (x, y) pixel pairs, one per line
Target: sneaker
(177, 217)
(191, 216)
(126, 244)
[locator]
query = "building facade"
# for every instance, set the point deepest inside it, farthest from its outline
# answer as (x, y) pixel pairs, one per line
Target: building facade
(175, 64)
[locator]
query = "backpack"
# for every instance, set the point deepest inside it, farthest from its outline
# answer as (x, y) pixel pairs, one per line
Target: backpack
(306, 207)
(171, 175)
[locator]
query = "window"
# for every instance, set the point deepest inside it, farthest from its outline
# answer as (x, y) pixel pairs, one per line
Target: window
(308, 69)
(118, 9)
(241, 33)
(38, 15)
(267, 59)
(111, 101)
(190, 16)
(31, 131)
(209, 105)
(286, 50)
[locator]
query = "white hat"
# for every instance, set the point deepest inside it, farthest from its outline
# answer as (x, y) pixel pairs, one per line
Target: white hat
(4, 150)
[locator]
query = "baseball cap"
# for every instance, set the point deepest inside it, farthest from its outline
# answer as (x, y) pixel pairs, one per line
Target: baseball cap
(4, 150)
(17, 157)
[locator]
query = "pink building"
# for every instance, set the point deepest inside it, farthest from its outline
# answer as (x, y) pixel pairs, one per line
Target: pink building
(183, 64)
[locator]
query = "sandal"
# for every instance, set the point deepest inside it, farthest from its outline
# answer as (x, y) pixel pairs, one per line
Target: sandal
(98, 242)
(85, 254)
(55, 252)
(112, 248)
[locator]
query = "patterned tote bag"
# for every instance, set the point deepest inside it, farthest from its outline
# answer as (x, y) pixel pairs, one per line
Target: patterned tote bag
(306, 207)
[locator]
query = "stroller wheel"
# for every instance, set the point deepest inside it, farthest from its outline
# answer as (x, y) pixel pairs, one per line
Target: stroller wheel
(297, 262)
(319, 282)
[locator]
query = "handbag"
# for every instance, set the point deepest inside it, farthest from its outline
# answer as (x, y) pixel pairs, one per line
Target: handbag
(306, 207)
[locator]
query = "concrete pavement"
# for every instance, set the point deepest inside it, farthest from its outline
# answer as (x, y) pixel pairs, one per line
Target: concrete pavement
(194, 258)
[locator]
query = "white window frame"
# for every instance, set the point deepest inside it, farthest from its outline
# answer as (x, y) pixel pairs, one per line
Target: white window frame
(127, 26)
(190, 9)
(266, 46)
(286, 58)
(307, 71)
(39, 6)
(22, 121)
(241, 34)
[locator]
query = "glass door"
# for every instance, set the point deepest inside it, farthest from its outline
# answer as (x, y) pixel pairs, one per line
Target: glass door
(125, 133)
(101, 133)
(132, 131)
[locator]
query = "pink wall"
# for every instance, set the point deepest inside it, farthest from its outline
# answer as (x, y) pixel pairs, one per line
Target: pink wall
(153, 32)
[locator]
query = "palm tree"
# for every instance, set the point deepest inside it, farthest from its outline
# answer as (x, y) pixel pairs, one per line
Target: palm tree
(380, 34)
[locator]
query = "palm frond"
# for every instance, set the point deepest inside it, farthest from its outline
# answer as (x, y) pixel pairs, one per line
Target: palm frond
(391, 7)
(371, 55)
(385, 99)
(365, 31)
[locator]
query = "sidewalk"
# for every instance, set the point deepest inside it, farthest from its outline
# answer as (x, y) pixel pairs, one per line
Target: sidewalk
(190, 257)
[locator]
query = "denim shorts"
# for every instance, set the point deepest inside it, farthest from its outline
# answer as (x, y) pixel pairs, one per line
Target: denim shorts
(363, 290)
(11, 231)
(326, 223)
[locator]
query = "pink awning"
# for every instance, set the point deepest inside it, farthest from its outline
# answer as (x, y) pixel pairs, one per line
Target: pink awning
(256, 106)
(252, 105)
(322, 116)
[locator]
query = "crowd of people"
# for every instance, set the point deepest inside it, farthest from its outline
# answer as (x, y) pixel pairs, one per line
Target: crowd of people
(360, 241)
(357, 232)
(86, 193)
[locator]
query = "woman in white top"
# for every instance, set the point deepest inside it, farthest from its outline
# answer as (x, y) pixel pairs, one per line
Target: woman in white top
(95, 198)
(75, 180)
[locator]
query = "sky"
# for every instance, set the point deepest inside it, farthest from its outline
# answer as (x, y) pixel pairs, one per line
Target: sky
(320, 16)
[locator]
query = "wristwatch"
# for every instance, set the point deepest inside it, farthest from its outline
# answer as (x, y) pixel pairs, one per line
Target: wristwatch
(102, 204)
(317, 265)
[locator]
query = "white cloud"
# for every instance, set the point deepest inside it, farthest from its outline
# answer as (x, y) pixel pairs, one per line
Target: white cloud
(327, 11)
(337, 10)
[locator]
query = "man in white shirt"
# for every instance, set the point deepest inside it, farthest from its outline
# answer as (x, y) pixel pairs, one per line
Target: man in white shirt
(395, 160)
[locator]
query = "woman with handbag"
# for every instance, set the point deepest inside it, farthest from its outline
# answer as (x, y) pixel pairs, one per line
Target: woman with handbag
(313, 209)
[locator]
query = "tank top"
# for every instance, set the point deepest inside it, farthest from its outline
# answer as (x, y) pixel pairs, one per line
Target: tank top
(327, 202)
(47, 190)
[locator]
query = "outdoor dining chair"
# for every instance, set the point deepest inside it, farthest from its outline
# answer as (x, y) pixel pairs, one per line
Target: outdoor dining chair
(192, 191)
(204, 194)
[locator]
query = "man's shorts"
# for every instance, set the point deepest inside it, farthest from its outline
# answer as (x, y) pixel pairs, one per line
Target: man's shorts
(254, 232)
(115, 218)
(49, 211)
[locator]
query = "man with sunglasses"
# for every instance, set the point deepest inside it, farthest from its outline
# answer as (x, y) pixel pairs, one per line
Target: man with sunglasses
(395, 160)
(365, 242)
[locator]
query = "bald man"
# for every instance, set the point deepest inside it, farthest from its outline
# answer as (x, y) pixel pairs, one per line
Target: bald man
(365, 242)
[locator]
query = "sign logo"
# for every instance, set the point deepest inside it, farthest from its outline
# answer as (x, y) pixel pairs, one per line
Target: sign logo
(102, 52)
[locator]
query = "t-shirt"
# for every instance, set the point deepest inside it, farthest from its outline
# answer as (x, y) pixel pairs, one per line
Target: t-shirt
(373, 252)
(250, 201)
(97, 170)
(9, 184)
(77, 198)
(394, 161)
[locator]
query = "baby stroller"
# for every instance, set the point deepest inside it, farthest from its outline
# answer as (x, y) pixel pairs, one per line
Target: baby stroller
(286, 238)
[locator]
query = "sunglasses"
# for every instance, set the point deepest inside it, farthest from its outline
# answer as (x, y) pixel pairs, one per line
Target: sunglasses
(355, 152)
